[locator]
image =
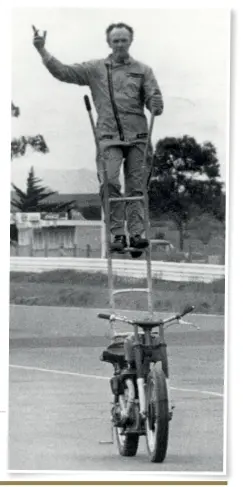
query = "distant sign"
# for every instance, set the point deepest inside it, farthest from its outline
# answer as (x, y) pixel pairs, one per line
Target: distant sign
(27, 217)
(49, 216)
(54, 216)
(28, 220)
(37, 220)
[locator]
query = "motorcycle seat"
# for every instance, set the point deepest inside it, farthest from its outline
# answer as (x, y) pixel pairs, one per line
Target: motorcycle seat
(114, 354)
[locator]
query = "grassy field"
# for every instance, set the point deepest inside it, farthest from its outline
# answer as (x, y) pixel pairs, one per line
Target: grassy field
(70, 288)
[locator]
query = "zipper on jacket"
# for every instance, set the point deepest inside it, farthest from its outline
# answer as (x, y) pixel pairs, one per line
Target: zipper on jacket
(113, 103)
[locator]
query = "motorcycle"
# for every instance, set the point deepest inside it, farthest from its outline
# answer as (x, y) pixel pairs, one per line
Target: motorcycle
(140, 384)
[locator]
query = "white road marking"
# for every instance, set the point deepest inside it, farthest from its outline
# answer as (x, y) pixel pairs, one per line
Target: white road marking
(210, 393)
(61, 372)
(101, 377)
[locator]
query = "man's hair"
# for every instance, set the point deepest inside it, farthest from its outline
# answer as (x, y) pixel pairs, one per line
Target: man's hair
(120, 25)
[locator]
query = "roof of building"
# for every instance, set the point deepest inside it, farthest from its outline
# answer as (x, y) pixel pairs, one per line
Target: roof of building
(82, 200)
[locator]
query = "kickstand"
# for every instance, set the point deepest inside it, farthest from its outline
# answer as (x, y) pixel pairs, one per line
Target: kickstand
(111, 441)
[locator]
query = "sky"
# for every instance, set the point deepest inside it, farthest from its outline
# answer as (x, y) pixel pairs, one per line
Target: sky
(187, 49)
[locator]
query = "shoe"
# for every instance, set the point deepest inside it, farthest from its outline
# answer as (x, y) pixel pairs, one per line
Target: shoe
(138, 242)
(119, 243)
(135, 254)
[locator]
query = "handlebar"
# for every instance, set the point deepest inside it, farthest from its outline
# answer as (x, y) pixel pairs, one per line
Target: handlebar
(87, 103)
(104, 316)
(147, 324)
(187, 310)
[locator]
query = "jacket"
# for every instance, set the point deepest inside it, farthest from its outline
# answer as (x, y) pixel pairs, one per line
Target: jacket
(119, 91)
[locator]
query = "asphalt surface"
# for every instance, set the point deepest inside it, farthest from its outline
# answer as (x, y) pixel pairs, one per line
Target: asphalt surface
(59, 407)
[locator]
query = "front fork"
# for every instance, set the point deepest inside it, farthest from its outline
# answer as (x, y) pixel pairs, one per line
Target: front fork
(140, 379)
(140, 374)
(127, 404)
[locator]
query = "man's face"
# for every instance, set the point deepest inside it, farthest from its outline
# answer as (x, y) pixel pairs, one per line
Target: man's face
(119, 41)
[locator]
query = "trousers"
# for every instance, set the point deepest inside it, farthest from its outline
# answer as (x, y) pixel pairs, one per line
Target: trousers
(131, 158)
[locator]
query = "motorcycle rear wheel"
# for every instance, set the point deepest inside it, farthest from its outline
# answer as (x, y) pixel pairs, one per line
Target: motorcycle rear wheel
(157, 420)
(127, 443)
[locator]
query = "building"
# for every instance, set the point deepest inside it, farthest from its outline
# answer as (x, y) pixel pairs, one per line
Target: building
(49, 235)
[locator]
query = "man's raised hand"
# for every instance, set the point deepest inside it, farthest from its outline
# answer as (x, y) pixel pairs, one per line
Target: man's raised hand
(39, 40)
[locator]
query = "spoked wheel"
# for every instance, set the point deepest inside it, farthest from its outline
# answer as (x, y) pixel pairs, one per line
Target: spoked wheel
(127, 443)
(157, 420)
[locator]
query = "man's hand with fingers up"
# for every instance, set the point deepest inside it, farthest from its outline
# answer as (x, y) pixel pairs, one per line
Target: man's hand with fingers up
(39, 40)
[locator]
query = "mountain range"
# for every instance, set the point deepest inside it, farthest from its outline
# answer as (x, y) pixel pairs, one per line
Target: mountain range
(64, 181)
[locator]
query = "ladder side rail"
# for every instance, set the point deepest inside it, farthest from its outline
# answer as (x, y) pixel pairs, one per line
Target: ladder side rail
(146, 217)
(106, 203)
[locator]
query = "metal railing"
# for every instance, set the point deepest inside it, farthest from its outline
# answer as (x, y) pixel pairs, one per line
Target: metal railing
(169, 271)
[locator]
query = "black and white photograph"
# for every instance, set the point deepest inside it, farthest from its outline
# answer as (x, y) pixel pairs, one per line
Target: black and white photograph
(118, 231)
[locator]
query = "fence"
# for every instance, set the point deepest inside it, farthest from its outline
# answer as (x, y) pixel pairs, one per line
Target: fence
(170, 271)
(47, 251)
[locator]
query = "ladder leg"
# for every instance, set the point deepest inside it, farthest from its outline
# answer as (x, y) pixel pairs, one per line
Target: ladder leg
(148, 257)
(107, 232)
(100, 154)
(103, 234)
(146, 217)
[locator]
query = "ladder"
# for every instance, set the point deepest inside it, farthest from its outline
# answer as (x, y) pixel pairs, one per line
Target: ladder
(107, 200)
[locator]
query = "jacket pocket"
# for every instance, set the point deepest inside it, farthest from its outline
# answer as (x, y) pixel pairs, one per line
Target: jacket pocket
(134, 83)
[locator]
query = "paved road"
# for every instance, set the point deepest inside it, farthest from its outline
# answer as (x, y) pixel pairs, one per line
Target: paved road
(59, 394)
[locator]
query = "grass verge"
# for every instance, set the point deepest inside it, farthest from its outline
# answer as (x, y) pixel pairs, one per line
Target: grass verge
(70, 288)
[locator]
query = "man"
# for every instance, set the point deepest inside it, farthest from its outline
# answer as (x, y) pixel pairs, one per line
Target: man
(120, 87)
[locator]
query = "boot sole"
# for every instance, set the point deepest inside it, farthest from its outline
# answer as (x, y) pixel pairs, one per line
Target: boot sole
(141, 246)
(136, 255)
(123, 249)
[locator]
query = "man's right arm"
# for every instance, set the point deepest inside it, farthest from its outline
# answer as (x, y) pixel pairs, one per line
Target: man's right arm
(75, 73)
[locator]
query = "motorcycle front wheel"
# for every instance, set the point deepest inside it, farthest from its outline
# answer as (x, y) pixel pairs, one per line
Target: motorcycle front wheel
(157, 419)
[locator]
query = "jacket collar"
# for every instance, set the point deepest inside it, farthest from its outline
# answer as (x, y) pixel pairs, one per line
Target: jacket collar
(110, 62)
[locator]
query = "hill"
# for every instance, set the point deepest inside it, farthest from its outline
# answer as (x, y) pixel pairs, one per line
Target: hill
(65, 181)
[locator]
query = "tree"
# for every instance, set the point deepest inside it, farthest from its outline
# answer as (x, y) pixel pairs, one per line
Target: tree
(185, 181)
(15, 111)
(32, 200)
(18, 145)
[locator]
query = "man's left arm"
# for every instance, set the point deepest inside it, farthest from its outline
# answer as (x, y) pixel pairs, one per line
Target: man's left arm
(153, 96)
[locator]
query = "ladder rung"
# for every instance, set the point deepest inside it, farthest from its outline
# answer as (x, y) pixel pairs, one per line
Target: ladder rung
(123, 334)
(132, 249)
(129, 290)
(127, 198)
(159, 241)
